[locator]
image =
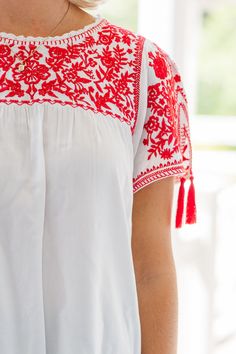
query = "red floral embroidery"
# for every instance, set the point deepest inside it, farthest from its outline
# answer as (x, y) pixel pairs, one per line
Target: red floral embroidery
(99, 71)
(164, 105)
(166, 133)
(159, 65)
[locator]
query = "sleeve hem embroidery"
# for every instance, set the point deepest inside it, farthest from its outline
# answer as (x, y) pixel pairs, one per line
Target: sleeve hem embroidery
(156, 174)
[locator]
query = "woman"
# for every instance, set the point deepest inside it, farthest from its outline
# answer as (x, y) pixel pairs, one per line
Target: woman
(91, 115)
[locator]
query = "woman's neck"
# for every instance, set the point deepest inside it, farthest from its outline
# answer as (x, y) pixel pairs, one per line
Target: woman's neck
(39, 17)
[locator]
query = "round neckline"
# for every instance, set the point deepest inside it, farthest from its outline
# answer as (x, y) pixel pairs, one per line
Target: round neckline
(87, 29)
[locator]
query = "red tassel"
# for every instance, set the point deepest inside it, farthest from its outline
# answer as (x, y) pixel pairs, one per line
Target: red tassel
(180, 204)
(191, 204)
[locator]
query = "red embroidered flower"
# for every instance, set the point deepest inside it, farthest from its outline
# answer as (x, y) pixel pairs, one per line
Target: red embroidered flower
(92, 62)
(162, 101)
(153, 93)
(57, 52)
(166, 154)
(105, 36)
(101, 101)
(58, 57)
(122, 85)
(32, 74)
(177, 78)
(160, 112)
(108, 61)
(107, 58)
(160, 67)
(4, 50)
(152, 124)
(71, 74)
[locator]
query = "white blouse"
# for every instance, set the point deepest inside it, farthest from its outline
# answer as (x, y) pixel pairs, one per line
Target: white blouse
(96, 115)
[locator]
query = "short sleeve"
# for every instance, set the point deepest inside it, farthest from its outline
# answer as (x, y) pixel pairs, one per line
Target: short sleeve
(164, 144)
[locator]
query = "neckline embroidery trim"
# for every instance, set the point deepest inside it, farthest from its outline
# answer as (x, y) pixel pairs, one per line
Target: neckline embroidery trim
(81, 32)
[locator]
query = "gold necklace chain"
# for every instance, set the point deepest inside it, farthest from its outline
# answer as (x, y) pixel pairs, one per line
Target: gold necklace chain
(23, 63)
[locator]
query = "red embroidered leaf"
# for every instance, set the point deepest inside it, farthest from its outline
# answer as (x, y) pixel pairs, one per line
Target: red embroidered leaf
(98, 75)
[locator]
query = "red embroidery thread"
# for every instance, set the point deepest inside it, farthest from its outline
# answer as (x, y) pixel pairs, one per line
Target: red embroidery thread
(166, 134)
(98, 71)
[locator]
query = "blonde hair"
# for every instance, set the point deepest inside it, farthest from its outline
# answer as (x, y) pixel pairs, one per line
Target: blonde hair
(87, 4)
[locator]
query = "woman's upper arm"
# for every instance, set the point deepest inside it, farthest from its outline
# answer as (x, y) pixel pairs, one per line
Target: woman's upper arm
(151, 229)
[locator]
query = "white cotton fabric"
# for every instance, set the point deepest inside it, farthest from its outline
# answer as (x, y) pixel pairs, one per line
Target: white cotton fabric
(67, 279)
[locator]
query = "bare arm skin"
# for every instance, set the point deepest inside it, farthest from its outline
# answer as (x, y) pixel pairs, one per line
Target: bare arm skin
(155, 268)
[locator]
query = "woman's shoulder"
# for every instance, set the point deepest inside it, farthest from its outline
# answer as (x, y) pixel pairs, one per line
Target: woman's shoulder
(114, 28)
(119, 36)
(113, 32)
